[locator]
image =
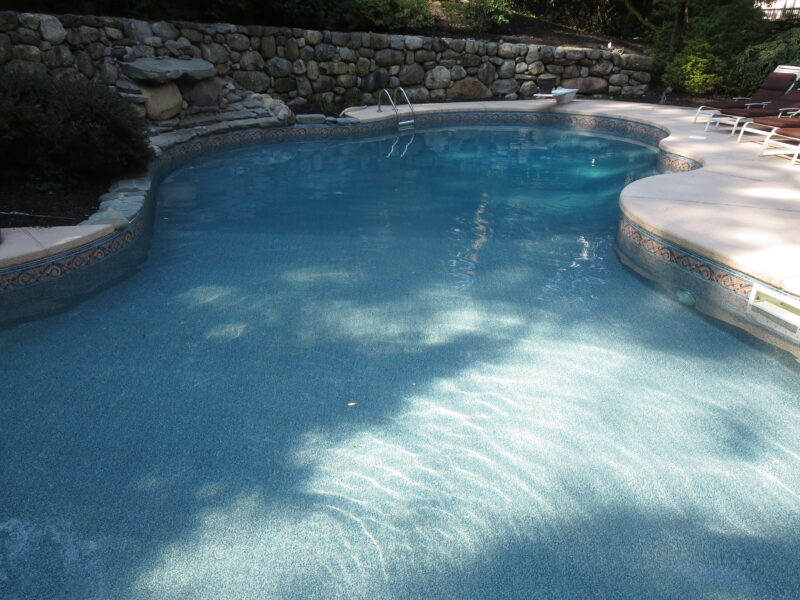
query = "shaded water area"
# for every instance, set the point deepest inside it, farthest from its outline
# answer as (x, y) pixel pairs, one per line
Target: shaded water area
(342, 375)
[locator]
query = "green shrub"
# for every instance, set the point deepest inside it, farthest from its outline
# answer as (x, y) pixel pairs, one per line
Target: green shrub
(696, 70)
(394, 14)
(489, 14)
(758, 60)
(699, 56)
(348, 14)
(482, 14)
(68, 131)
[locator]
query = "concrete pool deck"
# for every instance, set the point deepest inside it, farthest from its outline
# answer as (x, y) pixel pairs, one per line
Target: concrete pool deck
(739, 210)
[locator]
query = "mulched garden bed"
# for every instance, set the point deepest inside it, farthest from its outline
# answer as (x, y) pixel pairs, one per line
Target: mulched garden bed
(47, 208)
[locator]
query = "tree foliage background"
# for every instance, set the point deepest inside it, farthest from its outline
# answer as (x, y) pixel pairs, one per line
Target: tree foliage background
(703, 46)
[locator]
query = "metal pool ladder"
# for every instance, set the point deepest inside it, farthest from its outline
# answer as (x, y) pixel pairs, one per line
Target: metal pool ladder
(401, 125)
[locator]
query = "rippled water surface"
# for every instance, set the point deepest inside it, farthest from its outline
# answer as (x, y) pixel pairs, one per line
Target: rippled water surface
(347, 375)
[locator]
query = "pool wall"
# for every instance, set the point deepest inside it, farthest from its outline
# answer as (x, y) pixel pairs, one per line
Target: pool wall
(711, 288)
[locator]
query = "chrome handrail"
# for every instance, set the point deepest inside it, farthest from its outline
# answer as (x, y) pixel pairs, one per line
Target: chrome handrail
(393, 102)
(408, 101)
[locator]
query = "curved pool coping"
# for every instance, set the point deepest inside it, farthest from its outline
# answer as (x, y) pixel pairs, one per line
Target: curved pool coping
(734, 221)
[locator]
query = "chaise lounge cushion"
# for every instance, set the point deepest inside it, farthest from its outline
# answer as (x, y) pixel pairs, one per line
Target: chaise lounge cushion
(773, 88)
(789, 122)
(790, 132)
(790, 100)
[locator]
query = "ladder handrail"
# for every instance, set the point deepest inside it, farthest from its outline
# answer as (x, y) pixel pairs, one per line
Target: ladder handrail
(389, 96)
(393, 102)
(408, 101)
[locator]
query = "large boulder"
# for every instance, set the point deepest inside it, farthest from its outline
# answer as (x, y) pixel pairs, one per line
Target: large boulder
(601, 67)
(27, 53)
(377, 80)
(387, 58)
(324, 83)
(5, 48)
(166, 31)
(238, 42)
(507, 50)
(268, 48)
(586, 85)
(324, 52)
(52, 30)
(313, 37)
(215, 53)
(438, 78)
(137, 30)
(163, 101)
(505, 86)
(418, 94)
(487, 73)
(506, 69)
(24, 68)
(618, 79)
(412, 74)
(84, 63)
(528, 89)
(165, 70)
(258, 81)
(413, 42)
(468, 89)
(251, 61)
(291, 49)
(637, 62)
(59, 56)
(279, 67)
(207, 92)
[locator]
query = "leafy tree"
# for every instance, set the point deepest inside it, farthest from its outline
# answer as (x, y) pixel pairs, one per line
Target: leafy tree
(756, 62)
(697, 41)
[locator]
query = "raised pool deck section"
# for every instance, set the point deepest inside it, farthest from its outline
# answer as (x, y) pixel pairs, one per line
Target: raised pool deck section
(739, 209)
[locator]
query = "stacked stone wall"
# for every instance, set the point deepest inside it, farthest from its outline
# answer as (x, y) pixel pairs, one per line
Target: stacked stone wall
(297, 65)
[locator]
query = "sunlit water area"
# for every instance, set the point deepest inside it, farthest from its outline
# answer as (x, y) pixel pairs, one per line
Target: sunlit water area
(342, 375)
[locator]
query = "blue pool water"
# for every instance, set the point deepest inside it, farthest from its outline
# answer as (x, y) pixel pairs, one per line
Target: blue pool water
(342, 375)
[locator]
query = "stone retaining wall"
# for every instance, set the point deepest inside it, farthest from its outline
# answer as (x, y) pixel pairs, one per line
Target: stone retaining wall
(297, 65)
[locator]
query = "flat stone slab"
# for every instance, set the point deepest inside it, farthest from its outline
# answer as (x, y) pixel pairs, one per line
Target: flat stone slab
(26, 244)
(310, 119)
(164, 70)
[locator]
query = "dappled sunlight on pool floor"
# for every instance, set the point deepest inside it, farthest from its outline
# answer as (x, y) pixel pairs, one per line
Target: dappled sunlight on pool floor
(451, 393)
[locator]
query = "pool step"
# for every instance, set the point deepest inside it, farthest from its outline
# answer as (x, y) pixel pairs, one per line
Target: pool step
(775, 310)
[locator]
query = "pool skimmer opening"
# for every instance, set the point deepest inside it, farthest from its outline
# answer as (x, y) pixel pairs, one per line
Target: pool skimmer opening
(775, 310)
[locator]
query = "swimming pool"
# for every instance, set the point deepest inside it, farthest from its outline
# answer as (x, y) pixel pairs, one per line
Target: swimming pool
(347, 375)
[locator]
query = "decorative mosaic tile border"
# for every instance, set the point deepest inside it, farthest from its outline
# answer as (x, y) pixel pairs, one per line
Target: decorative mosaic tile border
(178, 155)
(76, 259)
(712, 272)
